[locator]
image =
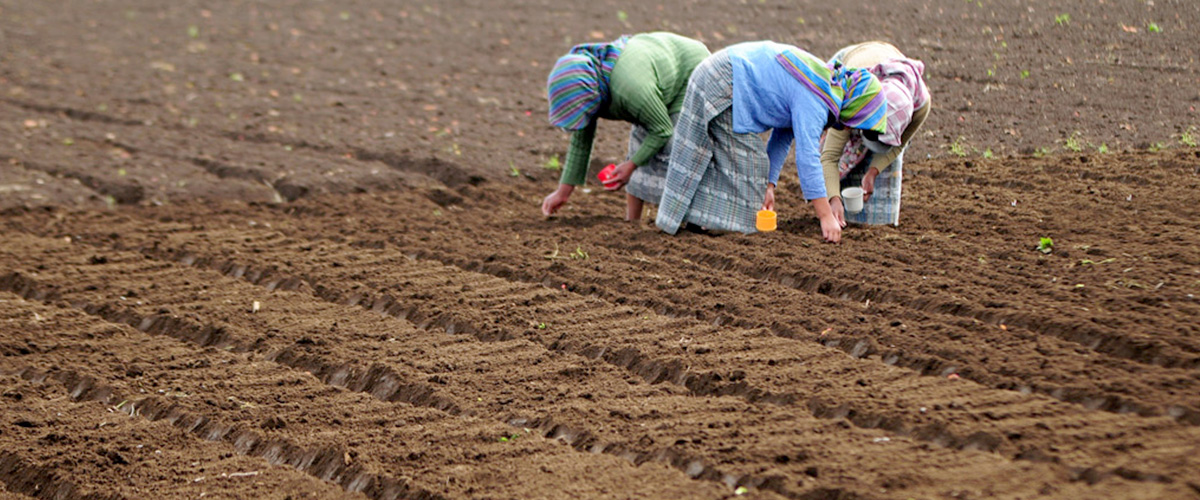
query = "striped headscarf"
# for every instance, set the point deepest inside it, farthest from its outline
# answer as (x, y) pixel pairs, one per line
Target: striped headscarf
(853, 95)
(578, 84)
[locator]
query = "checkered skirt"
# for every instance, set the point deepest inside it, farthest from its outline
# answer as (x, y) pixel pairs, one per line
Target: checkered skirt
(648, 180)
(716, 178)
(884, 205)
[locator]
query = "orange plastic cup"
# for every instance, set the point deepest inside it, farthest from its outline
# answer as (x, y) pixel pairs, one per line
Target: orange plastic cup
(766, 220)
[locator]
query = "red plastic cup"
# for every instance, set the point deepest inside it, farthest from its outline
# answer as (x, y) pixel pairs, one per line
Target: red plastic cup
(607, 173)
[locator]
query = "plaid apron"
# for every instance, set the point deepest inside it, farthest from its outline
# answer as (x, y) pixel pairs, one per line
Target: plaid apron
(716, 179)
(884, 205)
(648, 180)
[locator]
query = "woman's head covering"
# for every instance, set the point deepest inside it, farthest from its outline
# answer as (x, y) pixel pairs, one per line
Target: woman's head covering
(578, 84)
(864, 105)
(853, 95)
(904, 86)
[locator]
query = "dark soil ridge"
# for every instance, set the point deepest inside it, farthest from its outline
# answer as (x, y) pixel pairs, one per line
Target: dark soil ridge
(448, 173)
(383, 302)
(855, 346)
(20, 476)
(378, 381)
(325, 464)
(652, 370)
(121, 193)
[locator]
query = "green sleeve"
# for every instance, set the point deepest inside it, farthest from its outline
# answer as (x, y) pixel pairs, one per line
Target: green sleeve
(648, 107)
(579, 154)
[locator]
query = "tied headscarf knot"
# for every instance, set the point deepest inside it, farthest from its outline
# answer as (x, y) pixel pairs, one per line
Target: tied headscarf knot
(579, 83)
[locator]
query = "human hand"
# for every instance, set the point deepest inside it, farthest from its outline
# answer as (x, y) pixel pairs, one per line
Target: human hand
(839, 211)
(831, 229)
(620, 176)
(557, 199)
(868, 183)
(769, 200)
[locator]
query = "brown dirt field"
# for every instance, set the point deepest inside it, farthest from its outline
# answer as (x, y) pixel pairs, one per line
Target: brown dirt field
(272, 250)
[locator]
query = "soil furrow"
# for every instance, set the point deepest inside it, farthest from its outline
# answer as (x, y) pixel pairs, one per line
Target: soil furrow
(379, 381)
(885, 321)
(831, 409)
(635, 453)
(232, 396)
(20, 476)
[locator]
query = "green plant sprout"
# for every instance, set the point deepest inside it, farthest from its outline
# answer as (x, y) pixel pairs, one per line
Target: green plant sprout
(1103, 149)
(541, 326)
(579, 254)
(513, 171)
(1024, 74)
(987, 154)
(1062, 19)
(1188, 138)
(1073, 143)
(553, 163)
(1156, 147)
(622, 16)
(958, 148)
(1045, 245)
(1152, 27)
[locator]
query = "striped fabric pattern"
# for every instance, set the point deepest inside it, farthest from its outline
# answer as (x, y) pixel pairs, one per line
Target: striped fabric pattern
(853, 95)
(864, 105)
(813, 73)
(578, 84)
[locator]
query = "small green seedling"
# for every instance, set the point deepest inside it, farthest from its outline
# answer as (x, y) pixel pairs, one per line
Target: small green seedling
(513, 171)
(1153, 28)
(507, 439)
(1156, 147)
(193, 31)
(622, 16)
(958, 147)
(741, 490)
(1073, 143)
(579, 254)
(1188, 138)
(1041, 151)
(553, 163)
(987, 154)
(1045, 245)
(1103, 149)
(1024, 74)
(1062, 19)
(541, 326)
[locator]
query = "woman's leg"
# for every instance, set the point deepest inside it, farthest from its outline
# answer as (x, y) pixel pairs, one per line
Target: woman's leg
(633, 208)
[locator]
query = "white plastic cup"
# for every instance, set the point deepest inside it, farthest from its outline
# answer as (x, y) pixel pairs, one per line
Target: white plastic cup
(852, 200)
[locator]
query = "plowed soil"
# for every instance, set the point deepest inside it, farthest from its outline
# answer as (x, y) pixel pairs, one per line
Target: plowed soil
(292, 250)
